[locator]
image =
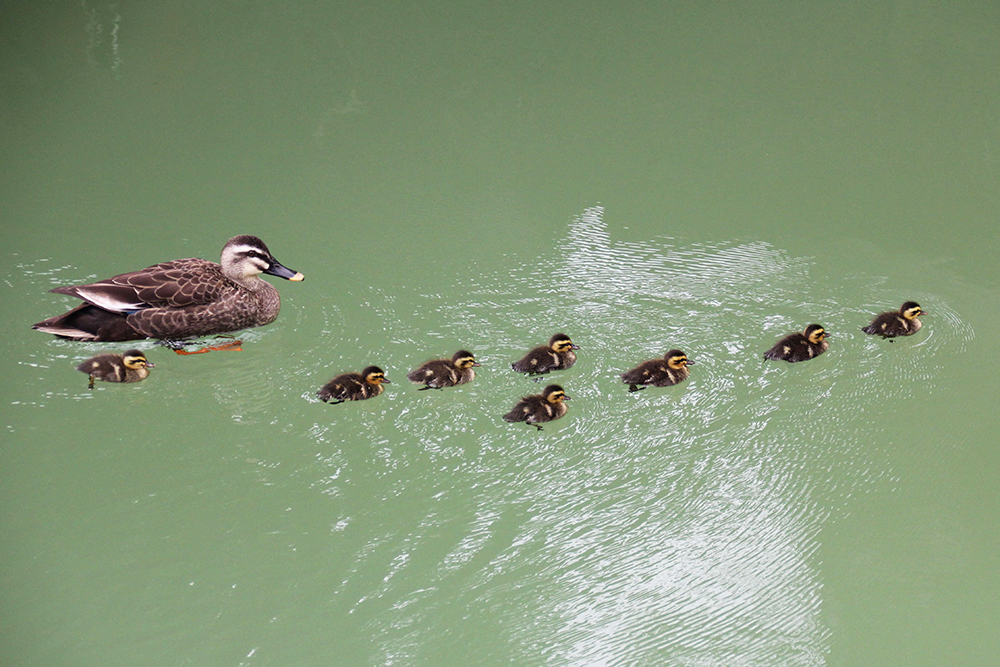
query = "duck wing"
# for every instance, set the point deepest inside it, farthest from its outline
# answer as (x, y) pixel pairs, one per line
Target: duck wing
(525, 409)
(540, 360)
(884, 325)
(175, 284)
(641, 374)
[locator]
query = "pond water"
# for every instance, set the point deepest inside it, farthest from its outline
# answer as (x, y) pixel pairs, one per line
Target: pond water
(708, 177)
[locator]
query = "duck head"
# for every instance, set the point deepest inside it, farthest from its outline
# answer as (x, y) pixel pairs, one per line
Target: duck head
(246, 256)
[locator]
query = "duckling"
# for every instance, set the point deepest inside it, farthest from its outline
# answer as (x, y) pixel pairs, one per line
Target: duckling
(903, 322)
(543, 407)
(129, 367)
(670, 370)
(354, 386)
(441, 373)
(800, 346)
(177, 299)
(556, 356)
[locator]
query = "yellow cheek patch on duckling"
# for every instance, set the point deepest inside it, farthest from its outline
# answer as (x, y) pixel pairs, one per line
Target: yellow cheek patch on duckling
(134, 362)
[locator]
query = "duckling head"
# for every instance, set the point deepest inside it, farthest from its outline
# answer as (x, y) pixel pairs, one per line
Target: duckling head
(375, 376)
(246, 256)
(815, 333)
(554, 394)
(677, 359)
(561, 343)
(911, 310)
(135, 360)
(464, 359)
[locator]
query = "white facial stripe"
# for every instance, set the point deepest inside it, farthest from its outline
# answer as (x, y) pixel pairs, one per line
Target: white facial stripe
(242, 249)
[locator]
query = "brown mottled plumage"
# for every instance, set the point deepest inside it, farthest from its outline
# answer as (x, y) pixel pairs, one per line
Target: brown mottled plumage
(800, 346)
(669, 370)
(902, 322)
(538, 408)
(129, 367)
(556, 356)
(354, 386)
(177, 299)
(441, 373)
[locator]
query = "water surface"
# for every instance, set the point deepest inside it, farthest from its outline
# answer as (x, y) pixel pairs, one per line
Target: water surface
(709, 178)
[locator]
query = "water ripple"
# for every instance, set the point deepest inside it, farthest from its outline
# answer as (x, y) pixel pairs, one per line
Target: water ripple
(675, 522)
(679, 522)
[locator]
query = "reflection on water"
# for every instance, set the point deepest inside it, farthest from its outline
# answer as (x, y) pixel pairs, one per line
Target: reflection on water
(675, 522)
(678, 522)
(103, 26)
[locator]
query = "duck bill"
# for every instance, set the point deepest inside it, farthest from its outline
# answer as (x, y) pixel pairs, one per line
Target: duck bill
(690, 363)
(277, 269)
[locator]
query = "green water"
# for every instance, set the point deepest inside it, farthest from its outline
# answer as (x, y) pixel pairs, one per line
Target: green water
(709, 176)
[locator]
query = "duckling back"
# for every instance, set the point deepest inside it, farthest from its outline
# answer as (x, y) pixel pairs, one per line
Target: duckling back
(800, 346)
(903, 322)
(441, 373)
(540, 408)
(557, 355)
(668, 371)
(354, 386)
(132, 366)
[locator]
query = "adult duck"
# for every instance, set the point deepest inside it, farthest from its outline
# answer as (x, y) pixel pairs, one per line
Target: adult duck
(177, 299)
